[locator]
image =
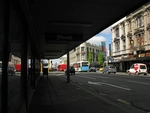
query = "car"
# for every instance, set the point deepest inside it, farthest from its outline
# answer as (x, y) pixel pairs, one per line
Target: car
(72, 70)
(101, 68)
(110, 69)
(11, 70)
(137, 68)
(92, 69)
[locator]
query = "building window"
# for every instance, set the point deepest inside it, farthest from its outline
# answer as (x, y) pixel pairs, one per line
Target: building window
(130, 28)
(140, 41)
(87, 53)
(139, 21)
(123, 29)
(93, 55)
(117, 32)
(82, 48)
(124, 44)
(117, 46)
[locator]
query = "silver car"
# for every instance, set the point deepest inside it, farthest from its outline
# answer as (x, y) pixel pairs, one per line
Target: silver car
(110, 69)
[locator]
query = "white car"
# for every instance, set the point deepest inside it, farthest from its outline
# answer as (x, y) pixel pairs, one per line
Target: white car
(138, 68)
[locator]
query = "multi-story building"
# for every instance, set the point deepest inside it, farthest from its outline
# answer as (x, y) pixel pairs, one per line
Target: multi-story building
(131, 39)
(80, 53)
(14, 60)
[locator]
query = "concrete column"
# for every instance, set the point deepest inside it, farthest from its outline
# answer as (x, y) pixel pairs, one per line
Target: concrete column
(24, 41)
(5, 47)
(68, 67)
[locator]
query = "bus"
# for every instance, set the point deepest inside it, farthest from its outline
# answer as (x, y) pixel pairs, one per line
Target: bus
(62, 67)
(81, 66)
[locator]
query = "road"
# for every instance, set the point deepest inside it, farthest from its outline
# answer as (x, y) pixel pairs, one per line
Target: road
(127, 89)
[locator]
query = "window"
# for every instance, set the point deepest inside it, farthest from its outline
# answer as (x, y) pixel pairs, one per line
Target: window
(123, 29)
(132, 66)
(117, 32)
(117, 46)
(130, 26)
(139, 21)
(82, 48)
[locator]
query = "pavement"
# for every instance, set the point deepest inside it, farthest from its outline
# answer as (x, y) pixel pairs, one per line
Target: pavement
(55, 95)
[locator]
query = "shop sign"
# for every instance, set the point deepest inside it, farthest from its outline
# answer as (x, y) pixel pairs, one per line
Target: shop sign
(63, 37)
(148, 54)
(142, 55)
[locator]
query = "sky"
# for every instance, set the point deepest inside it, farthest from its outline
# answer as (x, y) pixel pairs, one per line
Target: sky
(105, 35)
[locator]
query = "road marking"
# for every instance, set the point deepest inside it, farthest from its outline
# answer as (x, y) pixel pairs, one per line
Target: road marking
(94, 83)
(98, 83)
(86, 77)
(139, 82)
(123, 101)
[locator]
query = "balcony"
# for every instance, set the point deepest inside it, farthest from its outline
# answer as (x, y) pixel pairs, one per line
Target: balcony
(129, 34)
(139, 30)
(123, 36)
(116, 39)
(141, 48)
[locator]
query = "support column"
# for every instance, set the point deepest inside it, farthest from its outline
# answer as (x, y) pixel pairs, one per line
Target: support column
(68, 67)
(24, 41)
(5, 47)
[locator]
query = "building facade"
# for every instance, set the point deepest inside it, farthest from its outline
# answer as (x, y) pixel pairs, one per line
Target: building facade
(80, 53)
(131, 39)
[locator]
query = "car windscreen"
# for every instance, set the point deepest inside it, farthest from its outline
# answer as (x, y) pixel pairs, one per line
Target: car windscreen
(142, 67)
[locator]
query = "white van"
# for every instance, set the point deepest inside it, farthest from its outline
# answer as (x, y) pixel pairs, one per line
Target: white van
(138, 68)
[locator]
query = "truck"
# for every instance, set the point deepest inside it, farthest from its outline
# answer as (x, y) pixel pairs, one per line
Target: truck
(18, 67)
(62, 67)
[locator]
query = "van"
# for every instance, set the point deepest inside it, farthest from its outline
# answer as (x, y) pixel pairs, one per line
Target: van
(137, 68)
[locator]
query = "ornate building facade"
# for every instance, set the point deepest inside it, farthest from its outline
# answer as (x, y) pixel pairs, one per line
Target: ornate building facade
(80, 53)
(131, 39)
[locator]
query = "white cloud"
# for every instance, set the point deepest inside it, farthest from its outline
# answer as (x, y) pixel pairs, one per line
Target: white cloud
(106, 31)
(97, 40)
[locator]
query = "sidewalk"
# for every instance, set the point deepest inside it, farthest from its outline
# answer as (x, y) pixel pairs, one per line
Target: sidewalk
(55, 95)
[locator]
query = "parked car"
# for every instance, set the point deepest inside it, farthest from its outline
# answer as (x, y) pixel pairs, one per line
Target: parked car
(101, 68)
(92, 69)
(110, 69)
(11, 70)
(137, 68)
(72, 70)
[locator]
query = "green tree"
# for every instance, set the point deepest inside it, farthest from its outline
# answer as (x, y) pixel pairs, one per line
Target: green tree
(100, 58)
(90, 56)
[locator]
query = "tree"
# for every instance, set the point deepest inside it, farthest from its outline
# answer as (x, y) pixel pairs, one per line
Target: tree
(90, 56)
(100, 58)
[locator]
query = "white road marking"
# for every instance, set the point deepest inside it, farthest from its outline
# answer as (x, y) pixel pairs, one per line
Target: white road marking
(139, 82)
(94, 83)
(86, 77)
(98, 83)
(123, 101)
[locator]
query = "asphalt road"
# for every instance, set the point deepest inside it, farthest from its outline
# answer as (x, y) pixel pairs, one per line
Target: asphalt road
(127, 89)
(132, 90)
